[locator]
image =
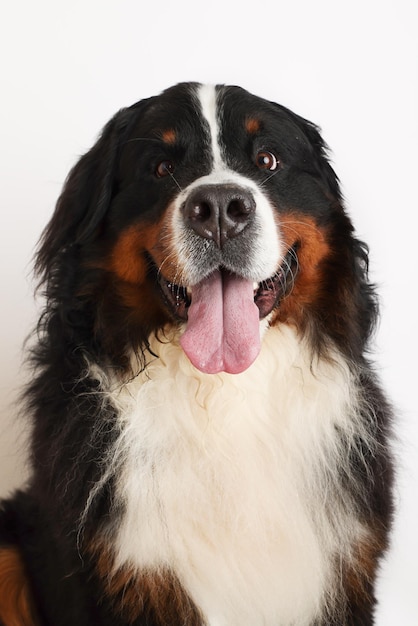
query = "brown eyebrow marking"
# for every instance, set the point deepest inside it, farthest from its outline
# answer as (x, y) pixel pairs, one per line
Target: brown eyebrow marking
(252, 125)
(169, 136)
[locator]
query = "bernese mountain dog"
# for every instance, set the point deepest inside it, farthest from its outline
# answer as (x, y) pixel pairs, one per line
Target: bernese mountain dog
(210, 444)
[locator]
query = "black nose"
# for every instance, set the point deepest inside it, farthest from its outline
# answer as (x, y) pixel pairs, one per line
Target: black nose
(219, 212)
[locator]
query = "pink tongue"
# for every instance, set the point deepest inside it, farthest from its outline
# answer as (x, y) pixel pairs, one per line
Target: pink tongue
(222, 333)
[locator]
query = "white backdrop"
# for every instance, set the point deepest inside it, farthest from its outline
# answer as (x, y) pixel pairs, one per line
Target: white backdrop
(351, 67)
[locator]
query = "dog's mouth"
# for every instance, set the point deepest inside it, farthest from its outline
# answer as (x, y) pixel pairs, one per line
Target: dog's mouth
(223, 313)
(267, 293)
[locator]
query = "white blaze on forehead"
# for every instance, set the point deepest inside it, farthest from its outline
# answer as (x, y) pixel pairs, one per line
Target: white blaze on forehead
(208, 103)
(265, 252)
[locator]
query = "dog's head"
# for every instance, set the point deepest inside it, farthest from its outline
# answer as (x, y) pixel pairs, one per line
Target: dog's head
(212, 210)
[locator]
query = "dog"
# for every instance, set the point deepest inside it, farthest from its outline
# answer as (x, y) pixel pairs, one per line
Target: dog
(210, 444)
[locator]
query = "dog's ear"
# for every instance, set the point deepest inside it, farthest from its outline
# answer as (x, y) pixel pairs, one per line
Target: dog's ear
(86, 194)
(320, 153)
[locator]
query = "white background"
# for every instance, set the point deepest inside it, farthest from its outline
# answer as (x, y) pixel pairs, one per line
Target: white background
(352, 67)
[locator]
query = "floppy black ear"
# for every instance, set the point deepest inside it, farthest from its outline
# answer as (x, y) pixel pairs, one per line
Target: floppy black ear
(320, 153)
(86, 195)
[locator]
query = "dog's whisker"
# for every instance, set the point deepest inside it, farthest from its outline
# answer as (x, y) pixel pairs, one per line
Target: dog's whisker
(175, 180)
(286, 224)
(263, 183)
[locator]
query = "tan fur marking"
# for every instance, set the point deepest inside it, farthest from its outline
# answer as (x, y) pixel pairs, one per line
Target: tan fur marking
(127, 259)
(252, 125)
(362, 572)
(169, 136)
(16, 608)
(128, 262)
(156, 593)
(313, 249)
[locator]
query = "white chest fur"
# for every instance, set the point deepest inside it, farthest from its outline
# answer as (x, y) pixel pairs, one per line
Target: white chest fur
(232, 481)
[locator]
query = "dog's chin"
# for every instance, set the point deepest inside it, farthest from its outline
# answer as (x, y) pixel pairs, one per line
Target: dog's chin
(222, 314)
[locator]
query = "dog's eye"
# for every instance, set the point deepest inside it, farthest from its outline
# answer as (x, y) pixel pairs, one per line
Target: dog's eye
(165, 168)
(266, 160)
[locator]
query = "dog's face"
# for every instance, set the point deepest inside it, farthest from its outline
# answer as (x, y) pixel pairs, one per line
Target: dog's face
(210, 209)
